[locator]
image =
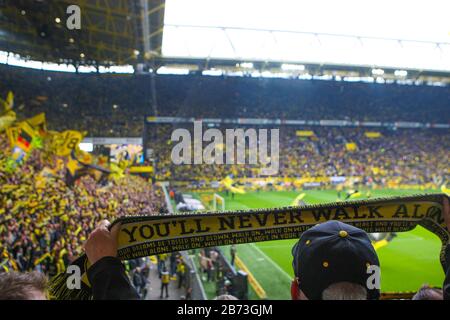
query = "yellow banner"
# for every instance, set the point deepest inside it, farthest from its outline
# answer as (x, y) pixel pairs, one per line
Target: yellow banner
(143, 169)
(181, 232)
(372, 134)
(304, 133)
(39, 123)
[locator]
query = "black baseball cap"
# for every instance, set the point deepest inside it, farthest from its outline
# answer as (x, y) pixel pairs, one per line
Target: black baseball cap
(333, 252)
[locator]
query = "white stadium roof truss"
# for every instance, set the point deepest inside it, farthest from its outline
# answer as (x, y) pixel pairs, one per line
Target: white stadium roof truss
(400, 34)
(247, 44)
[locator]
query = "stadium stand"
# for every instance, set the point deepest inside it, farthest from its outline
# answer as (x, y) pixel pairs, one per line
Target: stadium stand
(403, 156)
(45, 220)
(89, 99)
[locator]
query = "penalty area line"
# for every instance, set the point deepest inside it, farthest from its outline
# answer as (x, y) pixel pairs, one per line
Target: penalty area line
(271, 261)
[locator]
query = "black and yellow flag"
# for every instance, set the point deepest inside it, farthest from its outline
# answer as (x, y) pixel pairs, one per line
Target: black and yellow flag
(75, 169)
(64, 142)
(81, 164)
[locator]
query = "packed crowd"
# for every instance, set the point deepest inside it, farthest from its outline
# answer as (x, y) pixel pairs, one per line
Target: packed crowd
(408, 156)
(44, 221)
(405, 156)
(115, 105)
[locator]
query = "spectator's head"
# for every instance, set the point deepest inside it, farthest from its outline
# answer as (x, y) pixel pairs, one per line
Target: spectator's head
(23, 286)
(226, 297)
(428, 293)
(331, 262)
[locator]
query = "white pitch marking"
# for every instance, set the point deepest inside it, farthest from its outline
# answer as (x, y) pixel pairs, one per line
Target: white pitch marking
(271, 261)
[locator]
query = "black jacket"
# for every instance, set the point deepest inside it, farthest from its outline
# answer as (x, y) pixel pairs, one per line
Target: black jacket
(446, 285)
(109, 281)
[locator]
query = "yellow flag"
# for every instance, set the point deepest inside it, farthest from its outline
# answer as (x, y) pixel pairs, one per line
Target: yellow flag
(12, 133)
(354, 195)
(39, 123)
(73, 166)
(7, 119)
(116, 171)
(304, 133)
(9, 101)
(7, 105)
(298, 199)
(228, 183)
(67, 141)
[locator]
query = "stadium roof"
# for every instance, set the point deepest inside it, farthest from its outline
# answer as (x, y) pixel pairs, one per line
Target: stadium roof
(112, 31)
(406, 34)
(231, 37)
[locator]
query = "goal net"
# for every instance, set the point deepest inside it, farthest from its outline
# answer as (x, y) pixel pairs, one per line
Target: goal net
(218, 201)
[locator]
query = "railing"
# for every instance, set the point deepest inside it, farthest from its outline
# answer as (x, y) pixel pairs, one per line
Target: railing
(193, 280)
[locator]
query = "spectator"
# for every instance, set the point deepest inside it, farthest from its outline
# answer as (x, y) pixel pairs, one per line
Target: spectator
(233, 250)
(139, 282)
(161, 263)
(226, 297)
(107, 274)
(428, 293)
(181, 273)
(165, 280)
(173, 260)
(330, 263)
(210, 270)
(214, 255)
(23, 286)
(446, 286)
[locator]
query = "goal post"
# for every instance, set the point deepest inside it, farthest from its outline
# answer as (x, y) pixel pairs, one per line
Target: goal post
(218, 200)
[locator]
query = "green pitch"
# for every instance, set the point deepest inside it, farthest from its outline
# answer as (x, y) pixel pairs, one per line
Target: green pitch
(408, 261)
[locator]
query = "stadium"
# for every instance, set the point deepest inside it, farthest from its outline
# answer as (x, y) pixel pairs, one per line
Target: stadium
(214, 135)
